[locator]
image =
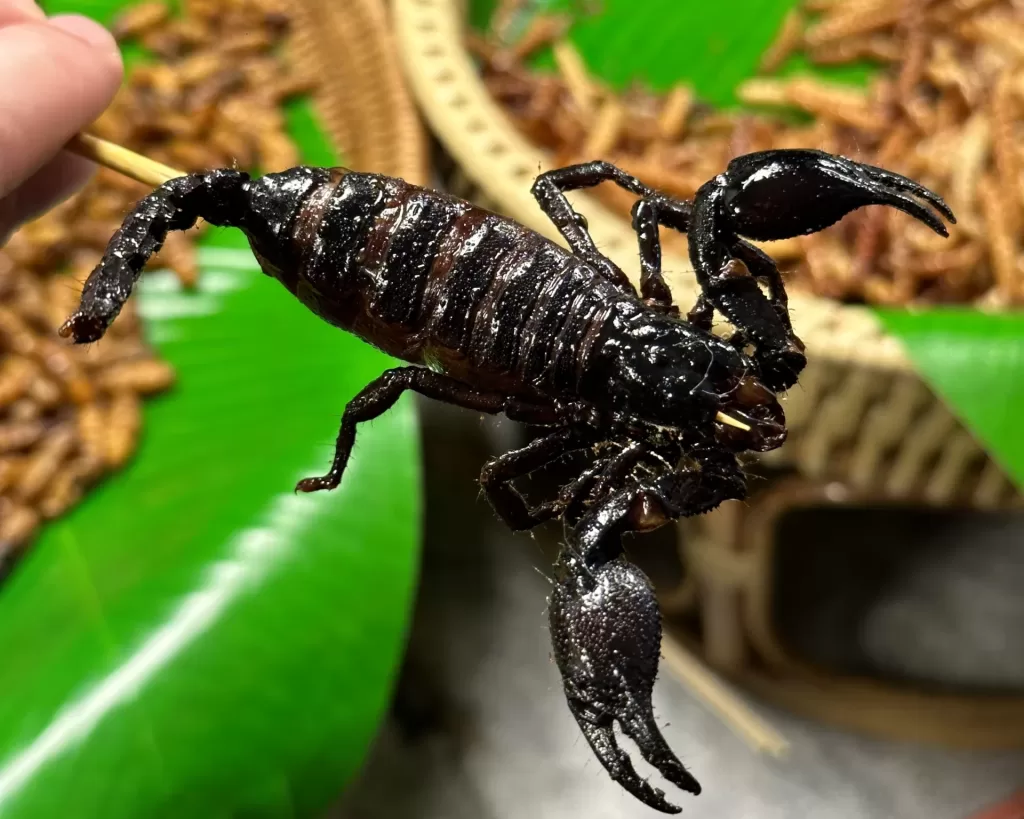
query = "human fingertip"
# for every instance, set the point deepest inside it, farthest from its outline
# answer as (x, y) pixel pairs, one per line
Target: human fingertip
(88, 31)
(23, 11)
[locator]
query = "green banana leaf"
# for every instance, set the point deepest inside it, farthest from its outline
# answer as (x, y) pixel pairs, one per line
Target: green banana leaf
(195, 639)
(973, 360)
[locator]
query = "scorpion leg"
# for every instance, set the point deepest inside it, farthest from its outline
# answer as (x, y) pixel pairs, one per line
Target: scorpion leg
(648, 213)
(379, 396)
(606, 626)
(549, 190)
(219, 197)
(498, 474)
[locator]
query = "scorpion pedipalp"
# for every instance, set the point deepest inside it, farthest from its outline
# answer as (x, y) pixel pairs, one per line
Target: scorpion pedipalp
(604, 618)
(780, 194)
(606, 632)
(773, 195)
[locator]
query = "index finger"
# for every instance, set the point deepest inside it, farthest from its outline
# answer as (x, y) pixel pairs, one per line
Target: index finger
(55, 78)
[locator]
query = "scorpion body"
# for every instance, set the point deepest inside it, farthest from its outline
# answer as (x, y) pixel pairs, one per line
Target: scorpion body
(435, 281)
(496, 318)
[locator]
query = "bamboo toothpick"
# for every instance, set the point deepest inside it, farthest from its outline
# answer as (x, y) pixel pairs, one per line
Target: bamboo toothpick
(152, 173)
(133, 165)
(757, 733)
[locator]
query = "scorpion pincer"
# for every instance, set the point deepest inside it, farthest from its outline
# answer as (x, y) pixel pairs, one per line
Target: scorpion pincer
(496, 318)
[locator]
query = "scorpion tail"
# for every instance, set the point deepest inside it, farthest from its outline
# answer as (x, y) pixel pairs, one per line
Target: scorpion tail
(175, 205)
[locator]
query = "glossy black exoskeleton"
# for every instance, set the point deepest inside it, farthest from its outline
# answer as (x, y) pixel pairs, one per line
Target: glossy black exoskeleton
(496, 318)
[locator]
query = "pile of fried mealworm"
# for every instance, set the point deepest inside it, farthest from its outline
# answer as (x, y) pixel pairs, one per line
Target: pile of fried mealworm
(946, 109)
(209, 96)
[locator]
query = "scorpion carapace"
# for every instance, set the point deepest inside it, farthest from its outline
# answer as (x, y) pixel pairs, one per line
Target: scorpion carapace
(496, 318)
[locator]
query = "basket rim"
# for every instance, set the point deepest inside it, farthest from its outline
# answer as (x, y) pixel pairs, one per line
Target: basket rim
(499, 160)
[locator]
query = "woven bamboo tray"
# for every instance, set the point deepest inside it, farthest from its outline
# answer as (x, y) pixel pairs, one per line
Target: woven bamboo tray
(860, 413)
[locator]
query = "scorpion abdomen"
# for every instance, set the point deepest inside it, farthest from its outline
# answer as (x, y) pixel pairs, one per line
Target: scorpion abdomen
(433, 280)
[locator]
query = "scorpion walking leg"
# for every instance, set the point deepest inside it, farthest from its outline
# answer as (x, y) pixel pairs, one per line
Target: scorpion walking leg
(648, 213)
(378, 397)
(498, 474)
(549, 191)
(217, 196)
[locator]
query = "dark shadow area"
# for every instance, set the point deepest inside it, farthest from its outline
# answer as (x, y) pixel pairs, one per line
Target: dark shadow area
(919, 595)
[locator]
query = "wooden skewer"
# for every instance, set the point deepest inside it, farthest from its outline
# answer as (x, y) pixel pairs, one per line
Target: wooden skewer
(133, 165)
(152, 173)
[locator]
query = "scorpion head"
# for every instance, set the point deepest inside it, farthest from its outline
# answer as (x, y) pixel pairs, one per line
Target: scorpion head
(669, 373)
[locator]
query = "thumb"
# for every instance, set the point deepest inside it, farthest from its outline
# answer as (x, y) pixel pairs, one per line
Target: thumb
(56, 77)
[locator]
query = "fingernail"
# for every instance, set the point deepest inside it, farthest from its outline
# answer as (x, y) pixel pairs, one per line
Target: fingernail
(87, 30)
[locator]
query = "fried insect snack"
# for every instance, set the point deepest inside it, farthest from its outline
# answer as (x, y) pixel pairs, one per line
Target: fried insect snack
(210, 95)
(947, 108)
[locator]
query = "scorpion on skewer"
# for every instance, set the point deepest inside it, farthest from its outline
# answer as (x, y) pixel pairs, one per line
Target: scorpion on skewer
(496, 318)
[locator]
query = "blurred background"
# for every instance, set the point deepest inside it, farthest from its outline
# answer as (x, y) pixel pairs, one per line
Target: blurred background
(182, 635)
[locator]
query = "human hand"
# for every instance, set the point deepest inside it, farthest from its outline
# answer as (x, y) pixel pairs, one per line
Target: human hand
(57, 75)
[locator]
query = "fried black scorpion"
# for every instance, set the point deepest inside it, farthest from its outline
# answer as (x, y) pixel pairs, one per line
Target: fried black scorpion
(494, 317)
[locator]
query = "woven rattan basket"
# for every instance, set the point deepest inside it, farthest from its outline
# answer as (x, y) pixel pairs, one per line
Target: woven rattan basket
(728, 592)
(861, 421)
(363, 99)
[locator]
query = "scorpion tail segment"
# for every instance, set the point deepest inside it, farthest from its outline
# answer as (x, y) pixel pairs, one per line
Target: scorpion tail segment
(606, 632)
(175, 205)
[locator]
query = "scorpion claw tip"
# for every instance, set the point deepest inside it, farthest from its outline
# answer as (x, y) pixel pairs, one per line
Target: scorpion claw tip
(602, 741)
